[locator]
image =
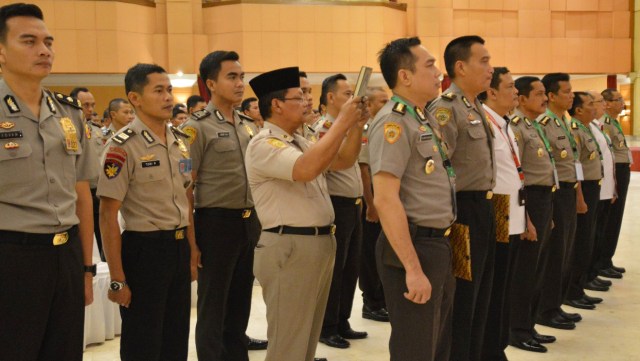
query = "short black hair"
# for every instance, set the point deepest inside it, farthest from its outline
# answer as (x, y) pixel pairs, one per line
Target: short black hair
(397, 55)
(137, 76)
(523, 84)
(75, 91)
(247, 103)
(193, 100)
(106, 114)
(178, 109)
(607, 94)
(459, 49)
(18, 9)
(578, 101)
(302, 74)
(329, 86)
(212, 63)
(552, 81)
(114, 104)
(495, 81)
(264, 104)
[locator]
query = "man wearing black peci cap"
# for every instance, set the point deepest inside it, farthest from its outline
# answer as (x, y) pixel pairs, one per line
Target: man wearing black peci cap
(286, 176)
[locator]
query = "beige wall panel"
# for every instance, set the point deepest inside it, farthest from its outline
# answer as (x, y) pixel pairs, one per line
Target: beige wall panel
(534, 23)
(86, 51)
(179, 18)
(592, 83)
(434, 3)
(106, 16)
(354, 19)
(621, 55)
(621, 5)
(290, 49)
(460, 22)
(250, 51)
(511, 57)
(535, 4)
(496, 47)
(605, 25)
(558, 53)
(510, 23)
(477, 24)
(197, 20)
(460, 4)
(621, 24)
(493, 20)
(160, 17)
(107, 51)
(558, 24)
(180, 56)
(573, 24)
(510, 5)
(200, 50)
(605, 5)
(357, 50)
(85, 12)
(252, 19)
(159, 50)
(494, 4)
(65, 47)
(64, 14)
(582, 5)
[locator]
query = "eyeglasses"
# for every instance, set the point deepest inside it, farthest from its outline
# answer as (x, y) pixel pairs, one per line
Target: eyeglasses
(297, 99)
(621, 99)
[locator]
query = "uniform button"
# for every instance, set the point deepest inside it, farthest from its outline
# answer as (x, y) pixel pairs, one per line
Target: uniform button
(51, 180)
(55, 205)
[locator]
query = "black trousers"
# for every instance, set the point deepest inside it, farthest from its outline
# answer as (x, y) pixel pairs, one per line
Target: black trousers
(41, 299)
(369, 280)
(496, 334)
(419, 332)
(602, 220)
(471, 302)
(96, 223)
(155, 327)
(584, 240)
(225, 282)
(528, 265)
(558, 262)
(345, 272)
(612, 232)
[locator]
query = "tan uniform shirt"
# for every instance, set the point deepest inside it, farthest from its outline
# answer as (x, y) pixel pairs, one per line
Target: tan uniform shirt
(620, 146)
(590, 156)
(406, 148)
(218, 148)
(309, 133)
(469, 137)
(560, 137)
(281, 201)
(41, 159)
(98, 141)
(536, 160)
(148, 177)
(346, 182)
(363, 157)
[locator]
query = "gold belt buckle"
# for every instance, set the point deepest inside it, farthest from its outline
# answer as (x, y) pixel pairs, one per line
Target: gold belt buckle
(447, 232)
(246, 213)
(358, 201)
(179, 233)
(489, 194)
(553, 189)
(60, 238)
(333, 229)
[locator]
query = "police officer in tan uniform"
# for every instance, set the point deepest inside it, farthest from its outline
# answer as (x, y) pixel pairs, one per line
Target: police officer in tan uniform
(146, 173)
(470, 139)
(565, 152)
(226, 224)
(614, 106)
(345, 188)
(46, 225)
(528, 259)
(414, 193)
(588, 195)
(285, 173)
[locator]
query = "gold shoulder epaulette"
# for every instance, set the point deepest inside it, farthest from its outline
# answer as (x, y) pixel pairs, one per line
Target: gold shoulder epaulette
(545, 120)
(574, 125)
(515, 120)
(400, 108)
(448, 96)
(200, 114)
(121, 138)
(69, 100)
(607, 120)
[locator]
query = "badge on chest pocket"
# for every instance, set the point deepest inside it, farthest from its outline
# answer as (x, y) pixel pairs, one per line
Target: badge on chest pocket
(185, 166)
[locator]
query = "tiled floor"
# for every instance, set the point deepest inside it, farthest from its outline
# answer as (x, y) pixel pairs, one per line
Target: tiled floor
(609, 333)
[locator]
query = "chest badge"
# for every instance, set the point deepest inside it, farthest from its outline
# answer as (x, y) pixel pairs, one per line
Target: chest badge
(392, 132)
(540, 152)
(563, 154)
(11, 145)
(7, 125)
(183, 148)
(430, 166)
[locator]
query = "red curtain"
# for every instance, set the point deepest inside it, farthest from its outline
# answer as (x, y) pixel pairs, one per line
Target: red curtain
(202, 87)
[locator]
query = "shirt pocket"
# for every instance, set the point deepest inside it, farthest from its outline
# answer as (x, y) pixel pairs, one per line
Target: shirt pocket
(16, 165)
(476, 132)
(150, 174)
(221, 145)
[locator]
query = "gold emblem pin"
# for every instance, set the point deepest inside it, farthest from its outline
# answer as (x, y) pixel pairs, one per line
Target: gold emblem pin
(489, 194)
(592, 156)
(246, 213)
(60, 238)
(563, 154)
(7, 125)
(148, 157)
(553, 189)
(447, 232)
(392, 132)
(430, 166)
(180, 234)
(11, 145)
(540, 152)
(575, 186)
(435, 148)
(422, 128)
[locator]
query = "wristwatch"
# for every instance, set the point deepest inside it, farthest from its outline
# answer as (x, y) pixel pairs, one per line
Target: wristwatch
(117, 286)
(92, 269)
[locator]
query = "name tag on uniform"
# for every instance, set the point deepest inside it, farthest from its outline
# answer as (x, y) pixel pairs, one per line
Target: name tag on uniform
(151, 163)
(562, 137)
(185, 166)
(223, 134)
(426, 136)
(475, 122)
(11, 135)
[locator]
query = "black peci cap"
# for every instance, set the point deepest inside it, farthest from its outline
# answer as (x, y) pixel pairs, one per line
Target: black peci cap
(279, 79)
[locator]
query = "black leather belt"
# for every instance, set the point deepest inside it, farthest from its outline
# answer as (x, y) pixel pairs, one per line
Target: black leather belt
(345, 201)
(474, 195)
(226, 212)
(537, 188)
(303, 231)
(568, 185)
(432, 232)
(42, 239)
(173, 234)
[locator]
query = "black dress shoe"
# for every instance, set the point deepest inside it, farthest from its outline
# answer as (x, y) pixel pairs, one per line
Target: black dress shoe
(319, 359)
(573, 317)
(531, 345)
(619, 269)
(255, 344)
(591, 300)
(351, 334)
(335, 341)
(543, 338)
(593, 286)
(610, 273)
(557, 322)
(602, 282)
(580, 303)
(380, 315)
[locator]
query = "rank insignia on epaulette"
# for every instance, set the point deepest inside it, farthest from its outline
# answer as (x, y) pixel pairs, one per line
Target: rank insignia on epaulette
(178, 131)
(277, 143)
(124, 136)
(147, 136)
(449, 96)
(443, 115)
(607, 120)
(420, 113)
(574, 125)
(526, 120)
(10, 101)
(219, 115)
(466, 102)
(557, 122)
(50, 104)
(399, 108)
(515, 120)
(200, 114)
(69, 100)
(545, 120)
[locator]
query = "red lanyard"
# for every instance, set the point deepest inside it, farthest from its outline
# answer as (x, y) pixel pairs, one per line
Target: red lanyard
(508, 140)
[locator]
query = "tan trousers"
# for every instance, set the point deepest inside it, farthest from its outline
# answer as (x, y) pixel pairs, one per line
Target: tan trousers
(295, 274)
